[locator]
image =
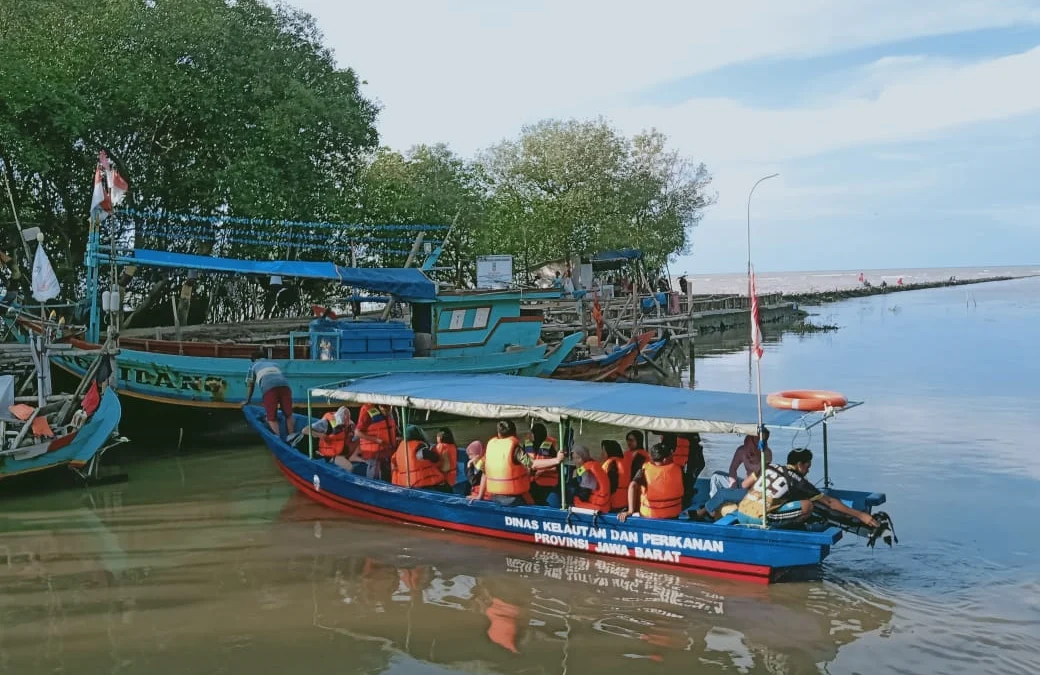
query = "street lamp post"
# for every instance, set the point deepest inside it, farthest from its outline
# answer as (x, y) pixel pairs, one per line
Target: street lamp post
(750, 346)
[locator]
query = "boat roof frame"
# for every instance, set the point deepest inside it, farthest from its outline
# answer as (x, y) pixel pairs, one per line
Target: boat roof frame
(624, 405)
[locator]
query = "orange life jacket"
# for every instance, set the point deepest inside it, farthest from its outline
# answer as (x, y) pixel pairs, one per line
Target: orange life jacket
(599, 500)
(379, 425)
(449, 453)
(682, 451)
(544, 477)
(503, 475)
(332, 443)
(662, 496)
(410, 471)
(619, 499)
(630, 457)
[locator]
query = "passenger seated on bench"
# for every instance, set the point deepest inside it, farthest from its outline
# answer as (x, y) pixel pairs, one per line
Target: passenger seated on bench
(590, 487)
(746, 456)
(448, 451)
(508, 468)
(540, 445)
(474, 467)
(787, 484)
(635, 454)
(416, 464)
(617, 474)
(688, 454)
(657, 490)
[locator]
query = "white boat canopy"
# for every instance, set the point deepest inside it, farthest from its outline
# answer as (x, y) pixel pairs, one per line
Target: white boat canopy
(628, 405)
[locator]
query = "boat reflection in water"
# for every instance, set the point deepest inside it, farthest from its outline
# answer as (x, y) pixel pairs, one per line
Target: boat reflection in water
(250, 577)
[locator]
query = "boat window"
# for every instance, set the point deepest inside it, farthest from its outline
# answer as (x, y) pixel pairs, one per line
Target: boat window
(481, 318)
(422, 317)
(458, 318)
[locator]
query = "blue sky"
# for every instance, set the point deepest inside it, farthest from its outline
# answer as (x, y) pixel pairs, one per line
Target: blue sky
(905, 134)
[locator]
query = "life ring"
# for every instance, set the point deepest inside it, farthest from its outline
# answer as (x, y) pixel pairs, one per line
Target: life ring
(808, 400)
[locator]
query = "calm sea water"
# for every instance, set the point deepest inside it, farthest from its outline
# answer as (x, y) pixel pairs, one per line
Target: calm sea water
(206, 563)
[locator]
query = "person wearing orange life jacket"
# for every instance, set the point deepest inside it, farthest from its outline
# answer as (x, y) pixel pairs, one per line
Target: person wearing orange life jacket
(335, 435)
(688, 454)
(635, 454)
(415, 464)
(448, 451)
(508, 468)
(591, 487)
(617, 474)
(657, 490)
(540, 445)
(377, 436)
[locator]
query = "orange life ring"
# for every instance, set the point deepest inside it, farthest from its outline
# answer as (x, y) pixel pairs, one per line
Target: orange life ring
(808, 400)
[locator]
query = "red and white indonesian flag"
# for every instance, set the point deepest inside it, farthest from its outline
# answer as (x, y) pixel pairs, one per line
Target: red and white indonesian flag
(109, 188)
(756, 323)
(45, 284)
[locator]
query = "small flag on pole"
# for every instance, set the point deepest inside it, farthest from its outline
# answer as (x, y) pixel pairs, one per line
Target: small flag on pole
(756, 323)
(44, 282)
(109, 188)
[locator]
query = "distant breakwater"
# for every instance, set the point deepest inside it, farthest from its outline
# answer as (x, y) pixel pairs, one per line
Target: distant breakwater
(823, 297)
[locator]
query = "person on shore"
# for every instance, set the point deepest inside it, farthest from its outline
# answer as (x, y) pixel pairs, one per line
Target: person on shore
(474, 468)
(415, 464)
(508, 468)
(787, 484)
(448, 451)
(617, 473)
(590, 487)
(377, 437)
(540, 445)
(335, 435)
(656, 491)
(275, 393)
(557, 281)
(635, 454)
(684, 285)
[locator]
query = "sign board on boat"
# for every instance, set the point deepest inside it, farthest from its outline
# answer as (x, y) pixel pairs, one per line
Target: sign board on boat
(494, 271)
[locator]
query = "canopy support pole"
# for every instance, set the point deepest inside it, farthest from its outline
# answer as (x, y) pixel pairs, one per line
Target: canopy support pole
(407, 452)
(310, 436)
(826, 466)
(563, 481)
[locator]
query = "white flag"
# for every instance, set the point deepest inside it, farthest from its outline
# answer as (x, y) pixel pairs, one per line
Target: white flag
(44, 282)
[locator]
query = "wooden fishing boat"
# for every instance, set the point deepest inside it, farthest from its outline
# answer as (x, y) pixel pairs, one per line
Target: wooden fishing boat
(203, 369)
(724, 548)
(605, 367)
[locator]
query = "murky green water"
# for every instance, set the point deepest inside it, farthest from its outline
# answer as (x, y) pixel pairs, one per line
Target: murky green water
(205, 562)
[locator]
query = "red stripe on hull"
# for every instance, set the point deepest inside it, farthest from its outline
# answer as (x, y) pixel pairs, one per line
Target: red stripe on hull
(726, 570)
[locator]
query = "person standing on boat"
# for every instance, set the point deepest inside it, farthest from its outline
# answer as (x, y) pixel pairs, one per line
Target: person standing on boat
(617, 473)
(508, 468)
(657, 490)
(591, 486)
(416, 464)
(540, 445)
(786, 485)
(274, 392)
(377, 437)
(635, 454)
(335, 434)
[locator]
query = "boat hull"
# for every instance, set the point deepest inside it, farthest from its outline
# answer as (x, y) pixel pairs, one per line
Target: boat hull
(92, 438)
(704, 548)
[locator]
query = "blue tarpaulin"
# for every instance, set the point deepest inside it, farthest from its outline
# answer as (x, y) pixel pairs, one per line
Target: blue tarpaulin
(627, 405)
(405, 283)
(609, 260)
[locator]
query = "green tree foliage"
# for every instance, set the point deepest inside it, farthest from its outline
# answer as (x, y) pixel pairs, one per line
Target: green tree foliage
(428, 185)
(571, 187)
(205, 105)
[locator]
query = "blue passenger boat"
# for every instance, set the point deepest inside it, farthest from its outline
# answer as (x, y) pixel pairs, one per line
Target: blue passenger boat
(724, 548)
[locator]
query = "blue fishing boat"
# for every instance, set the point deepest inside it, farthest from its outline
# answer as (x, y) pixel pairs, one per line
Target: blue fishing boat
(203, 368)
(724, 548)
